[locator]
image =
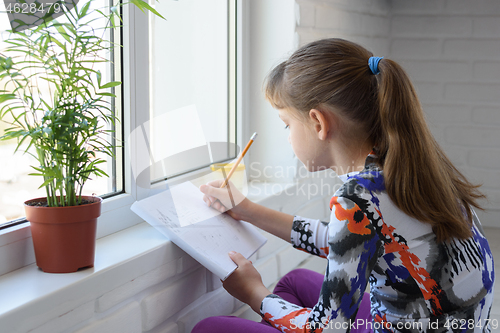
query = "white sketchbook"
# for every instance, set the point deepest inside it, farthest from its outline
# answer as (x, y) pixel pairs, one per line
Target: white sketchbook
(204, 233)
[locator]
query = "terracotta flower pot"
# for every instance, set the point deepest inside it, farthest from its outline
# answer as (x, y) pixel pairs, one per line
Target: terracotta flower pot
(64, 237)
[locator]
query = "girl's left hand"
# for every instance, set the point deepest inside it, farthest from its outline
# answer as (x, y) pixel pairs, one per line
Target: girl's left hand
(246, 283)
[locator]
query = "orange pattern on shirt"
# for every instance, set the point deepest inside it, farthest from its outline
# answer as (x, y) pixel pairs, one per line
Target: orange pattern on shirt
(285, 323)
(428, 286)
(343, 214)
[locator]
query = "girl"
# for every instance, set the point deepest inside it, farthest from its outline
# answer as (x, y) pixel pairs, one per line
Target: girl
(402, 222)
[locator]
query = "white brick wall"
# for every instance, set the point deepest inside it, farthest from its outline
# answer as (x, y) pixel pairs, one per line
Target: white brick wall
(172, 298)
(431, 26)
(125, 320)
(451, 50)
(463, 40)
(363, 21)
(66, 320)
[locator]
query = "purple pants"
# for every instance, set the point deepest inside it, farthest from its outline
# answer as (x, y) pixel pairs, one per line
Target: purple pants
(300, 286)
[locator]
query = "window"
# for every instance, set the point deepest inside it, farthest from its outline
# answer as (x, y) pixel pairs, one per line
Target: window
(192, 79)
(16, 185)
(212, 74)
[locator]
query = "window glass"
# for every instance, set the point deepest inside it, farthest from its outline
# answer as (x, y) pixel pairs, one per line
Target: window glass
(192, 84)
(16, 186)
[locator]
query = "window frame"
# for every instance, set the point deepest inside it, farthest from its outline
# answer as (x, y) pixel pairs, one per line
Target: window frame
(232, 128)
(16, 249)
(116, 74)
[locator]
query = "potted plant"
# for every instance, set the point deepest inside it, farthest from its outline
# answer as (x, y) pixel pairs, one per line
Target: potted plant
(63, 127)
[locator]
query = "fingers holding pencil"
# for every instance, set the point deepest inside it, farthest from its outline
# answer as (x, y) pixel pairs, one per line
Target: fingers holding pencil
(221, 194)
(219, 198)
(214, 194)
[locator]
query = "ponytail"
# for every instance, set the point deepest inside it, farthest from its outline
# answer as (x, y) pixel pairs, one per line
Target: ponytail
(419, 178)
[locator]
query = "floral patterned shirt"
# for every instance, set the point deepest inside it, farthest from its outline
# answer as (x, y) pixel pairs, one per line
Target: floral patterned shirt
(416, 284)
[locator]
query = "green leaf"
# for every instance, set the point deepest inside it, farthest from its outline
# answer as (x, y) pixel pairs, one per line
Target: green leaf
(6, 97)
(142, 4)
(58, 43)
(98, 74)
(115, 12)
(110, 84)
(84, 10)
(47, 182)
(38, 169)
(63, 32)
(106, 94)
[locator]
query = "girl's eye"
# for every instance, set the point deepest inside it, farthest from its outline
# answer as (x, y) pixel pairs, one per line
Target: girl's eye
(287, 126)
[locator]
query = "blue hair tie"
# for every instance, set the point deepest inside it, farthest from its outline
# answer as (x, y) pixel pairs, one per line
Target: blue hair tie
(373, 64)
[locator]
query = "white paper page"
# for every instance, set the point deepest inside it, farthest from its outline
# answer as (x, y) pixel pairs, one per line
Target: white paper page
(189, 204)
(216, 237)
(207, 235)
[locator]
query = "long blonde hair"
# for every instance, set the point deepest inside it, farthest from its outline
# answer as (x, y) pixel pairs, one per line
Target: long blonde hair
(419, 178)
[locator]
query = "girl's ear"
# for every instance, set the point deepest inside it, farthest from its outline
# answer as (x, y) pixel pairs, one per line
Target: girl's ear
(322, 123)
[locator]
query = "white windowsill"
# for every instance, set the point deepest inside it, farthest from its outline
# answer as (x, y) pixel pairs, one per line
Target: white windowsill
(120, 257)
(22, 290)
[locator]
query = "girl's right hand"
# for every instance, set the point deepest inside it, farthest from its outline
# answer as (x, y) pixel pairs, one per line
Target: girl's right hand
(228, 199)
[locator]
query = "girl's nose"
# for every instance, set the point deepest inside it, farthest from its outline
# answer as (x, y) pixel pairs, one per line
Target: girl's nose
(289, 139)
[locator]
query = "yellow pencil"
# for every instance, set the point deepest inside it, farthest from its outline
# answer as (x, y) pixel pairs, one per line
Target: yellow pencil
(239, 160)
